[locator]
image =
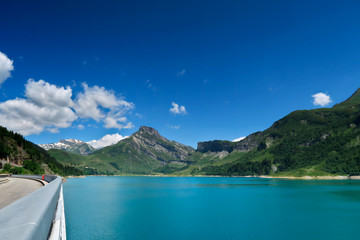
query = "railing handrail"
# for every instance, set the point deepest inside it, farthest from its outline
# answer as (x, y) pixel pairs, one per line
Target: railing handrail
(48, 178)
(31, 216)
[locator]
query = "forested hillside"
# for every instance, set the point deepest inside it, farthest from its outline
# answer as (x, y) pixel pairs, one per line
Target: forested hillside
(305, 142)
(314, 142)
(23, 157)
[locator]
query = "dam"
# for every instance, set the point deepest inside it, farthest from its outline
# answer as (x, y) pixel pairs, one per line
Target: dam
(32, 207)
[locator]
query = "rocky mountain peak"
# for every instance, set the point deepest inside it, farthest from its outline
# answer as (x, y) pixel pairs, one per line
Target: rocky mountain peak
(70, 145)
(75, 141)
(150, 130)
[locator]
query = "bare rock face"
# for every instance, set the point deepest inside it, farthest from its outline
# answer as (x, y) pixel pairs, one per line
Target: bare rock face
(17, 154)
(150, 142)
(149, 130)
(250, 142)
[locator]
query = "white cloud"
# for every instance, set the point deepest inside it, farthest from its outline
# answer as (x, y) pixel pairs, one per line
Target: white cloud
(25, 117)
(175, 127)
(48, 107)
(88, 104)
(181, 73)
(6, 66)
(53, 130)
(116, 121)
(106, 140)
(129, 125)
(238, 139)
(44, 94)
(22, 126)
(177, 109)
(100, 104)
(321, 99)
(93, 100)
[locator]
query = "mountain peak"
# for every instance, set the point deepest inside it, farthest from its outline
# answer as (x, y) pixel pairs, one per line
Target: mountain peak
(150, 130)
(354, 99)
(70, 145)
(70, 140)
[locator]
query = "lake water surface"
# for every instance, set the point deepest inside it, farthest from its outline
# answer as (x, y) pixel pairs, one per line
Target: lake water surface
(211, 208)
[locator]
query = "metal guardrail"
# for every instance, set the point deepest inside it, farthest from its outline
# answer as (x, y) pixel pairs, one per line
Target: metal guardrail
(47, 178)
(31, 217)
(58, 230)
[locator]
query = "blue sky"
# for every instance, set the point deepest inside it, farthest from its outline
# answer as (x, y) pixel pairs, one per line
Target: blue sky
(234, 66)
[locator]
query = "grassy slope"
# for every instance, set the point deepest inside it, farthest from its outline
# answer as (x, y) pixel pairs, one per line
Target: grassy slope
(314, 142)
(123, 158)
(126, 157)
(308, 142)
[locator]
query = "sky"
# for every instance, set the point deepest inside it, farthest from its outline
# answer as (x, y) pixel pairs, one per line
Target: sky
(193, 70)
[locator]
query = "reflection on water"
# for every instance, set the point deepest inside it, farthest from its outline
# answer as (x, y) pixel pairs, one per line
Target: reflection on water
(234, 185)
(352, 195)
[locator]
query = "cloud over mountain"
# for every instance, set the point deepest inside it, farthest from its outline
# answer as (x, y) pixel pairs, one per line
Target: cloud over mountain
(46, 107)
(238, 139)
(50, 107)
(321, 99)
(107, 140)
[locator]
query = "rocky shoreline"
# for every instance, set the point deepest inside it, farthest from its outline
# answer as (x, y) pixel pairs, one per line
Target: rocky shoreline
(315, 177)
(260, 176)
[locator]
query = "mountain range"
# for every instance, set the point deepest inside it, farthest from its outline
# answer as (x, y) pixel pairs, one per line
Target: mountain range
(306, 142)
(144, 152)
(316, 142)
(70, 145)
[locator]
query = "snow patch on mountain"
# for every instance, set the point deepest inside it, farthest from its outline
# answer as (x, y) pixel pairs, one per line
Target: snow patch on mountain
(70, 145)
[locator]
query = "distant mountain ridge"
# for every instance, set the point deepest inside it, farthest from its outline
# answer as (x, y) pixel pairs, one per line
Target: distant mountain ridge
(144, 152)
(305, 142)
(315, 142)
(250, 142)
(70, 145)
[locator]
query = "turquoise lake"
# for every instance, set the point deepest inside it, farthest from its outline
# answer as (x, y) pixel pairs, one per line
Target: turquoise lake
(211, 208)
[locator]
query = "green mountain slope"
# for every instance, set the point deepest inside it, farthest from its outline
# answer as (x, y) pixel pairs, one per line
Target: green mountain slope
(314, 142)
(306, 142)
(20, 156)
(78, 161)
(144, 152)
